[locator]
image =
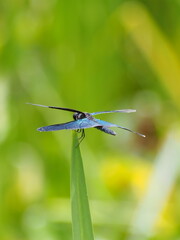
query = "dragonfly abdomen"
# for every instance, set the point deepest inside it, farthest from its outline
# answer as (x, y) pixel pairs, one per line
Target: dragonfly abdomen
(106, 130)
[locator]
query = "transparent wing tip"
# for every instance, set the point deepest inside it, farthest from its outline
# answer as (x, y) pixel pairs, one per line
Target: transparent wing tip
(142, 135)
(31, 104)
(125, 110)
(130, 110)
(39, 105)
(41, 129)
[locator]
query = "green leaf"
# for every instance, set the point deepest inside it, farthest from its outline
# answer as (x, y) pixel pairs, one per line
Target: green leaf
(81, 218)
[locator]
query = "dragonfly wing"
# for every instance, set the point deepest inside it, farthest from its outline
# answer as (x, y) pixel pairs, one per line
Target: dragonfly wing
(59, 108)
(73, 125)
(123, 110)
(107, 125)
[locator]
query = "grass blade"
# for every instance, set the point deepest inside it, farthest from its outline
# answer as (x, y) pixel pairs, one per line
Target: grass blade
(81, 219)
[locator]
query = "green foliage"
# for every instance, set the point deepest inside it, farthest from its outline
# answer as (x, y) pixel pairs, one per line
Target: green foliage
(81, 219)
(92, 56)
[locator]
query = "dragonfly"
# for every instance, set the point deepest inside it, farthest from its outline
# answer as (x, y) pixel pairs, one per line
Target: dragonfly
(84, 120)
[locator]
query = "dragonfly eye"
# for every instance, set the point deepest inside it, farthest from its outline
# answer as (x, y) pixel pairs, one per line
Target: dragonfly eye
(77, 116)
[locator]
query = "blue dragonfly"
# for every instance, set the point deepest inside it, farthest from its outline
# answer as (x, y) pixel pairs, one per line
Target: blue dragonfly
(83, 120)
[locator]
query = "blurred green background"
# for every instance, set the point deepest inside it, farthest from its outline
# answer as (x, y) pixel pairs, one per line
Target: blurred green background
(92, 56)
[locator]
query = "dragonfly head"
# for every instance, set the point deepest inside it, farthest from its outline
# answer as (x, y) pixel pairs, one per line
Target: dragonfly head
(79, 115)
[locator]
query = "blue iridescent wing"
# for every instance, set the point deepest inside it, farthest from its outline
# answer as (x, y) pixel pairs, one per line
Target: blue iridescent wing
(73, 125)
(123, 110)
(108, 125)
(82, 124)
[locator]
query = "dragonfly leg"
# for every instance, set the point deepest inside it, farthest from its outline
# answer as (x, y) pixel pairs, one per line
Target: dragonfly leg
(82, 135)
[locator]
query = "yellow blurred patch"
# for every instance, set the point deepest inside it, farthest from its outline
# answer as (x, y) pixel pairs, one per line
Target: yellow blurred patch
(141, 174)
(166, 224)
(116, 175)
(125, 173)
